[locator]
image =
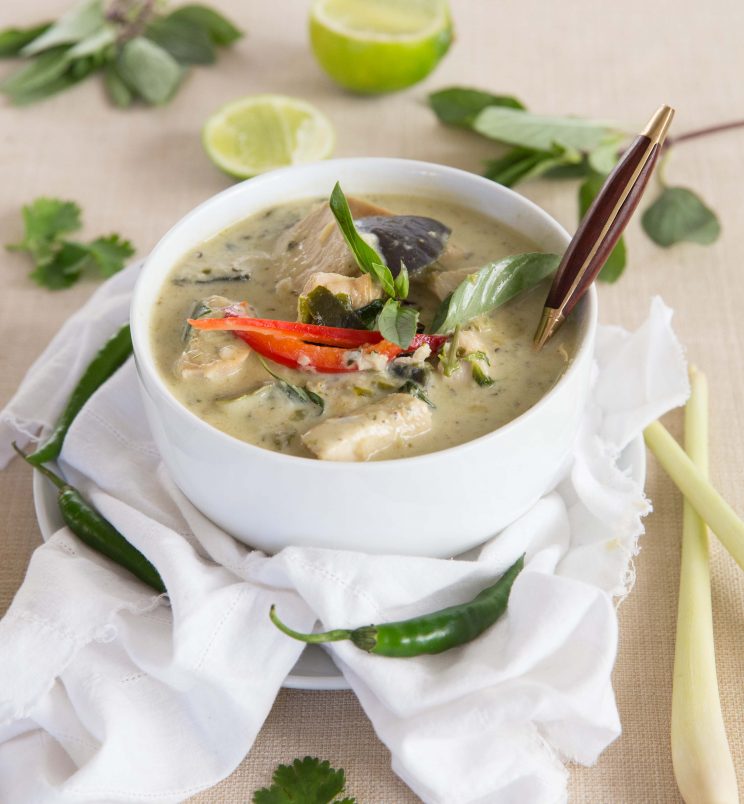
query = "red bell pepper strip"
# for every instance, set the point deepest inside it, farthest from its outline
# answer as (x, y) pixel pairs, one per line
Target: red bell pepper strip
(330, 336)
(292, 351)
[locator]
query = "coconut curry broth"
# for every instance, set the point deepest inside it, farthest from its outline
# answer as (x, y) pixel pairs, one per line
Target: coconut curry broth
(260, 261)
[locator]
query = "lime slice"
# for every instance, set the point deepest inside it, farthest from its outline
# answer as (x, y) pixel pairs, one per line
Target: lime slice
(263, 132)
(379, 45)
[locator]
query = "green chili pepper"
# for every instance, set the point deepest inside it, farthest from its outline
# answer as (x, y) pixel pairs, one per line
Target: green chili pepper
(90, 527)
(111, 355)
(430, 633)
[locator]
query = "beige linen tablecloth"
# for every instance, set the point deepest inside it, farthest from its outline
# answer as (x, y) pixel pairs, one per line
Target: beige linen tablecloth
(139, 171)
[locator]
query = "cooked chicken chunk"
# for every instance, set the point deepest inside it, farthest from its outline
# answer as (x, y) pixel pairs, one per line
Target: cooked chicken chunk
(316, 244)
(363, 434)
(361, 290)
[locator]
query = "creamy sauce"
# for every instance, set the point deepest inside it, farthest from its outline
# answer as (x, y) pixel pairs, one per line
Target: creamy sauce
(239, 397)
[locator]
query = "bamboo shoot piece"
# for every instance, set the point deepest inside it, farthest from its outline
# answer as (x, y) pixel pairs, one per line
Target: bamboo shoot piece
(698, 490)
(700, 752)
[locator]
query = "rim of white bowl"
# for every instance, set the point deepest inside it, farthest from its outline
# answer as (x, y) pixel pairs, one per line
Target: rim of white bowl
(140, 323)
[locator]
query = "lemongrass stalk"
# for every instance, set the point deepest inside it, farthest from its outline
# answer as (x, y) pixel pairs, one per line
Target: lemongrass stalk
(700, 751)
(697, 489)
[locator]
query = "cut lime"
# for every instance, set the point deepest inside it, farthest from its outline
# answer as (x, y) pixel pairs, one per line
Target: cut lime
(379, 45)
(263, 132)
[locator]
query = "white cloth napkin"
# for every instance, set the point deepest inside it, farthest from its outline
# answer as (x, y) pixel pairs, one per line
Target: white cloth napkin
(108, 694)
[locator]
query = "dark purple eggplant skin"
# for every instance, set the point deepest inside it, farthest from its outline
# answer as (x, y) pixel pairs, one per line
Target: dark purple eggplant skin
(413, 240)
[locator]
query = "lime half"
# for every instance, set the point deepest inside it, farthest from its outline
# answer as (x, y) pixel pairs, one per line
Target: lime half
(379, 45)
(263, 132)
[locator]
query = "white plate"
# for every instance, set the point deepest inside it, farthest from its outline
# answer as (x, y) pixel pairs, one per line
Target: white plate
(315, 669)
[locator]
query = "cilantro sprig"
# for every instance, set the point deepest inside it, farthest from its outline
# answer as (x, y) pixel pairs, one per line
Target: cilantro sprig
(60, 262)
(305, 781)
(142, 51)
(396, 322)
(573, 147)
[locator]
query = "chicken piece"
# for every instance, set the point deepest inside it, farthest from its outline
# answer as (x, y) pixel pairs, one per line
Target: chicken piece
(316, 244)
(360, 436)
(213, 355)
(361, 290)
(345, 393)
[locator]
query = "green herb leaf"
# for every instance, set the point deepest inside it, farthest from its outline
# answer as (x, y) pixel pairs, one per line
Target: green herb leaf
(679, 215)
(64, 268)
(183, 38)
(221, 31)
(305, 781)
(520, 164)
(492, 286)
(13, 40)
(414, 389)
(368, 260)
(149, 70)
(97, 44)
(295, 392)
(73, 26)
(402, 282)
(42, 70)
(613, 269)
(397, 323)
(109, 253)
(116, 87)
(459, 106)
(45, 220)
(480, 375)
(327, 309)
(605, 156)
(368, 314)
(527, 130)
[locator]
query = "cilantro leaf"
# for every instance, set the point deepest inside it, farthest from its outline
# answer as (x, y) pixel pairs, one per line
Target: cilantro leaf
(46, 219)
(64, 268)
(305, 781)
(109, 253)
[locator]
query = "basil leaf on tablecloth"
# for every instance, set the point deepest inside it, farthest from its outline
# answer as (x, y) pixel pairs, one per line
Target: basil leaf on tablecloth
(520, 164)
(612, 269)
(42, 70)
(678, 215)
(184, 39)
(221, 31)
(459, 106)
(13, 40)
(527, 130)
(73, 26)
(149, 70)
(492, 286)
(116, 87)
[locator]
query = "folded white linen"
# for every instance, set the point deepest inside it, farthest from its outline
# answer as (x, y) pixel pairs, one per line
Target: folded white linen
(107, 693)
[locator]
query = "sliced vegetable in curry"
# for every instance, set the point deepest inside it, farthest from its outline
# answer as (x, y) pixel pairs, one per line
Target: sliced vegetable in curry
(359, 329)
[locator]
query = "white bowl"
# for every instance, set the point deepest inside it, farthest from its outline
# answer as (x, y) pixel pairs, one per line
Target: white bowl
(438, 504)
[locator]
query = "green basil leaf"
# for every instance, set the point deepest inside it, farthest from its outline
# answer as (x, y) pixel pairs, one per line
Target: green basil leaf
(184, 39)
(149, 70)
(520, 164)
(516, 127)
(612, 269)
(492, 286)
(77, 24)
(459, 106)
(295, 392)
(221, 31)
(77, 71)
(605, 156)
(577, 170)
(13, 40)
(414, 389)
(44, 69)
(678, 215)
(402, 282)
(116, 87)
(98, 42)
(368, 260)
(397, 323)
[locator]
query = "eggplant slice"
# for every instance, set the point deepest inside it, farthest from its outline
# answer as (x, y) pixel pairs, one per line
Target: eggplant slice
(412, 240)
